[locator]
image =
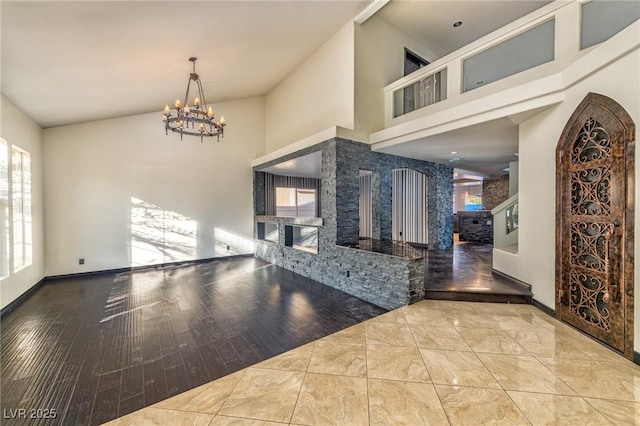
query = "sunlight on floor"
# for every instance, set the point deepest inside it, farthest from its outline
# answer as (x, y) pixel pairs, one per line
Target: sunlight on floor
(160, 236)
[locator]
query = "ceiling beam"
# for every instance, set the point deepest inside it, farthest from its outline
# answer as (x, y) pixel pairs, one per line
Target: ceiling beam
(369, 11)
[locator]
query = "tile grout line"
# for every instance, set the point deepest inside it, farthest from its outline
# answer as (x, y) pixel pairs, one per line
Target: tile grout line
(556, 376)
(600, 412)
(518, 407)
(304, 378)
(538, 361)
(433, 385)
(440, 400)
(244, 370)
(485, 367)
(420, 352)
(492, 375)
(366, 374)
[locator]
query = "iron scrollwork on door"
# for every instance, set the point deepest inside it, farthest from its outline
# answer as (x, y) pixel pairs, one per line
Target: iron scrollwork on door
(590, 235)
(588, 281)
(586, 299)
(590, 191)
(592, 143)
(589, 243)
(594, 216)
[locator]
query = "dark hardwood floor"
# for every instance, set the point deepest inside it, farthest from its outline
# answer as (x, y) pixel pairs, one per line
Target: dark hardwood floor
(97, 347)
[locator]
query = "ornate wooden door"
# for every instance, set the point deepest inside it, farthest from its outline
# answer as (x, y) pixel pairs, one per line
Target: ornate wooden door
(594, 222)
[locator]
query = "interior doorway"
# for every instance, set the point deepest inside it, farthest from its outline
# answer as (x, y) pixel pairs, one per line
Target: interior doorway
(595, 222)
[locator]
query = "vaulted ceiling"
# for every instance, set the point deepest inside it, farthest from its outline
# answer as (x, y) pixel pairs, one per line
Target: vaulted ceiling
(69, 62)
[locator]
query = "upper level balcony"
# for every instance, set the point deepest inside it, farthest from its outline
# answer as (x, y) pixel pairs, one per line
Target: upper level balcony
(522, 67)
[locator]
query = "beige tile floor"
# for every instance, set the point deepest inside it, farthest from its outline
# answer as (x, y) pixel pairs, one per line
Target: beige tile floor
(435, 363)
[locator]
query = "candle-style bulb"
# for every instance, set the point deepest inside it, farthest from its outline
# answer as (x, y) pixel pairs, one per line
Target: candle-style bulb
(201, 127)
(178, 103)
(167, 110)
(187, 109)
(210, 112)
(222, 120)
(197, 102)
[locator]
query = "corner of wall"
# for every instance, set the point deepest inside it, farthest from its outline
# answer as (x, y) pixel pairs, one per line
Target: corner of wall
(379, 60)
(316, 95)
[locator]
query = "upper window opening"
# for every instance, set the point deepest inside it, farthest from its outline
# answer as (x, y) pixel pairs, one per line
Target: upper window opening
(295, 202)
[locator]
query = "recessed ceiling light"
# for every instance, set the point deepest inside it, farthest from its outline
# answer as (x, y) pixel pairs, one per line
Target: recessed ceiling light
(454, 152)
(454, 160)
(457, 24)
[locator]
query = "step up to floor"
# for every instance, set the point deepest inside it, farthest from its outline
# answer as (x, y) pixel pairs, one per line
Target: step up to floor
(500, 288)
(472, 296)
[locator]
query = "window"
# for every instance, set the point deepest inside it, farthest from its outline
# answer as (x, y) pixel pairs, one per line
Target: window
(529, 49)
(512, 217)
(295, 202)
(268, 232)
(4, 209)
(467, 194)
(303, 238)
(473, 202)
(601, 20)
(15, 209)
(412, 62)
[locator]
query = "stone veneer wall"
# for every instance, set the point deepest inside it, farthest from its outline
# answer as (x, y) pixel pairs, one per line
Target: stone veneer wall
(494, 191)
(351, 157)
(384, 280)
(476, 226)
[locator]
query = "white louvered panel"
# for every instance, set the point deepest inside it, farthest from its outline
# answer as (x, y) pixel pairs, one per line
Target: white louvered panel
(366, 220)
(409, 206)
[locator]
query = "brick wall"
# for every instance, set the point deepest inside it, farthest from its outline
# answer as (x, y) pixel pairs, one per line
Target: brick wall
(494, 191)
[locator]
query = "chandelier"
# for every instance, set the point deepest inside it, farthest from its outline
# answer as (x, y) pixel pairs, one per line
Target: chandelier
(196, 120)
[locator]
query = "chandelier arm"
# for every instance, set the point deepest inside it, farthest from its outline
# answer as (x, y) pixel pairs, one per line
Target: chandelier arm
(204, 102)
(186, 95)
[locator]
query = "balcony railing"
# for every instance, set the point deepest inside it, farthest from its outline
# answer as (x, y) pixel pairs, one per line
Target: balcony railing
(531, 48)
(426, 91)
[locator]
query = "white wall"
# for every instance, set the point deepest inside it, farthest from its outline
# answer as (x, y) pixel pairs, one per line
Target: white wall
(379, 61)
(92, 171)
(538, 139)
(19, 130)
(317, 95)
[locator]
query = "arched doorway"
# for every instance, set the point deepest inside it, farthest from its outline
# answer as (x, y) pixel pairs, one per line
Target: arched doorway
(595, 222)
